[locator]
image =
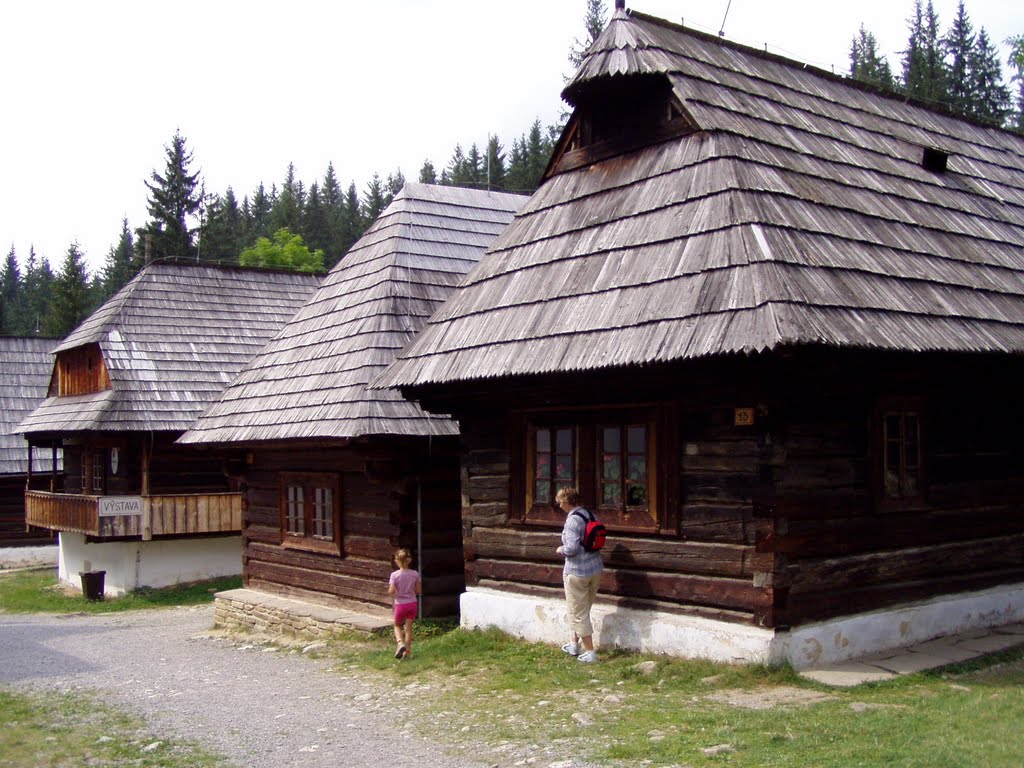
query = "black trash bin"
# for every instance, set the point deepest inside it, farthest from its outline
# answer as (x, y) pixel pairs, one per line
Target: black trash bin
(92, 584)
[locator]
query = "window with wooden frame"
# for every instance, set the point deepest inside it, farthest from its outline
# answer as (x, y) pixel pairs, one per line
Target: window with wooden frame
(94, 475)
(622, 477)
(900, 451)
(608, 455)
(310, 511)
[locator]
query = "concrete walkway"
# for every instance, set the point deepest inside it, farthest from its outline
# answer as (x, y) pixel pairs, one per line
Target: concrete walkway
(940, 652)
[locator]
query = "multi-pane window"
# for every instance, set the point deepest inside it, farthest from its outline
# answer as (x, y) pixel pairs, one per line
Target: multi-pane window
(607, 455)
(295, 510)
(555, 462)
(309, 511)
(623, 473)
(94, 476)
(901, 453)
(323, 513)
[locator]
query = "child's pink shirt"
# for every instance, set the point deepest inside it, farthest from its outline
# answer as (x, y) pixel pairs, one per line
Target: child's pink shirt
(405, 585)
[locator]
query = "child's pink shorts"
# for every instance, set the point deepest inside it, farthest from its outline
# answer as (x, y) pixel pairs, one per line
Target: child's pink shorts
(405, 612)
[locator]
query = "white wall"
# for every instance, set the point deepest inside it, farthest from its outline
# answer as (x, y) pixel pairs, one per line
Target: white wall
(28, 557)
(162, 563)
(812, 645)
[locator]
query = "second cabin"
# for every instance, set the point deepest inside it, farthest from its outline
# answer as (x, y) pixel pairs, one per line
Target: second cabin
(336, 476)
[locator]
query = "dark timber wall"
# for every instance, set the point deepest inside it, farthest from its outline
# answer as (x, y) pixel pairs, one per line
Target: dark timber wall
(12, 513)
(783, 521)
(382, 485)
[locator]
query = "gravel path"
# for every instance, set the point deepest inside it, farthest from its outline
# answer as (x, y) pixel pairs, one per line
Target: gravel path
(257, 705)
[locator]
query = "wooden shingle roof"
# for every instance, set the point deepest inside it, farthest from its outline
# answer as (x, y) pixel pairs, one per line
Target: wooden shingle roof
(171, 340)
(25, 363)
(311, 381)
(796, 211)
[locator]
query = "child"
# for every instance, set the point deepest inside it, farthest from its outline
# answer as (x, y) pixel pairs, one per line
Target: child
(404, 585)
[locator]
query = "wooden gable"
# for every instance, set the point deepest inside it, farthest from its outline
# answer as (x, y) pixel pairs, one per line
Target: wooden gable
(79, 371)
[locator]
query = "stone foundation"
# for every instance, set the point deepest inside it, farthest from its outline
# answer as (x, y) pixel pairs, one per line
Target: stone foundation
(255, 611)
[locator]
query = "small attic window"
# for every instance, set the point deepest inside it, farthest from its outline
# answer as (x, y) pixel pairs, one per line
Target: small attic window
(622, 108)
(934, 160)
(614, 115)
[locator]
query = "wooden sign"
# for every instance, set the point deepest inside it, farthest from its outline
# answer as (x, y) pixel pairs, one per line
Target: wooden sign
(116, 506)
(743, 417)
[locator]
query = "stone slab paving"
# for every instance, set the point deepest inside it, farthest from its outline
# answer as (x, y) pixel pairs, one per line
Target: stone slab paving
(920, 657)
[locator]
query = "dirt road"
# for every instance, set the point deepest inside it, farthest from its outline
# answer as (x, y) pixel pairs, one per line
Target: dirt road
(257, 705)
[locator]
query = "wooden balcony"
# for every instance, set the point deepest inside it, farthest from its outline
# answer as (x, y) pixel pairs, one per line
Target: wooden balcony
(173, 515)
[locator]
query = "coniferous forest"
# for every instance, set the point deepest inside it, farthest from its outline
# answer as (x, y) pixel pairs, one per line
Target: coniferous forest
(311, 225)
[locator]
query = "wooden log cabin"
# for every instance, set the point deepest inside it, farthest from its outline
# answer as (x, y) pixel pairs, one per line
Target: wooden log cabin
(337, 477)
(770, 321)
(124, 386)
(25, 363)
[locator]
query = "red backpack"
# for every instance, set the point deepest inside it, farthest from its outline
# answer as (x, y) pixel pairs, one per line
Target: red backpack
(594, 534)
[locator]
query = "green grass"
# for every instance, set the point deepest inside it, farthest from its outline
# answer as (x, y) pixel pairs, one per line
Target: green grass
(40, 592)
(503, 691)
(65, 730)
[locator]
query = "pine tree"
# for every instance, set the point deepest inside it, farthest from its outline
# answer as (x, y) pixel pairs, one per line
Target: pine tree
(959, 47)
(517, 176)
(465, 169)
(494, 167)
(374, 202)
(223, 233)
(455, 172)
(538, 153)
(991, 97)
(38, 294)
(924, 71)
(122, 263)
(333, 203)
(174, 202)
(353, 224)
(287, 209)
(257, 218)
(428, 175)
(11, 297)
(594, 23)
(70, 303)
(1016, 62)
(316, 229)
(867, 64)
(393, 186)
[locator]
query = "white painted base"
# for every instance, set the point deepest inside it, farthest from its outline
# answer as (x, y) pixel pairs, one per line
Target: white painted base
(28, 557)
(851, 637)
(544, 620)
(163, 563)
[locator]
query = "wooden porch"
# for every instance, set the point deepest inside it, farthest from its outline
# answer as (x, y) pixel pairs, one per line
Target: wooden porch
(168, 515)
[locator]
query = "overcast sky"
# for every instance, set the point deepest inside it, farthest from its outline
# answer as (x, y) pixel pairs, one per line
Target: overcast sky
(91, 92)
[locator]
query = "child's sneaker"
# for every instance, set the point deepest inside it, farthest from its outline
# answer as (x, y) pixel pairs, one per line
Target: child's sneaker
(573, 649)
(587, 657)
(400, 652)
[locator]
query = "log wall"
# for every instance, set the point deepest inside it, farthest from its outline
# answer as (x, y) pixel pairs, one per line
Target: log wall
(707, 567)
(781, 521)
(839, 546)
(13, 529)
(382, 484)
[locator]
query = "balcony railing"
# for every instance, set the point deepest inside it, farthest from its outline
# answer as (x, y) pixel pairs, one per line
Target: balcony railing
(169, 515)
